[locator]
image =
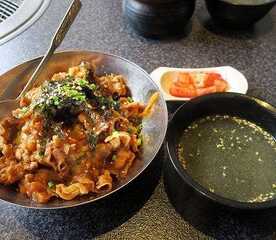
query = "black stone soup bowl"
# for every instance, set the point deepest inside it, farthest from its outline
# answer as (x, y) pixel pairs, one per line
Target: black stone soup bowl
(180, 186)
(141, 87)
(238, 13)
(158, 18)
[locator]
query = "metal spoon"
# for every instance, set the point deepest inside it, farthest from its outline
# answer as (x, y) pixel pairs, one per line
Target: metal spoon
(56, 41)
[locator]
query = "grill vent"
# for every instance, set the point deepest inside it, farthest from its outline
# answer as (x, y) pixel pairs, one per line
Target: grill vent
(17, 15)
(7, 8)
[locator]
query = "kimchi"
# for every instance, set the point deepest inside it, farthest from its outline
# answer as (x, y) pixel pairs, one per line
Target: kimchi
(194, 84)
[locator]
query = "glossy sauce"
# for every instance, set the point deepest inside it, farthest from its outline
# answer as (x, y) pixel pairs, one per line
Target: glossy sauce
(231, 157)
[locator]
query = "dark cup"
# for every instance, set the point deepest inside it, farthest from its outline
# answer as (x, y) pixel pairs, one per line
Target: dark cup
(237, 15)
(158, 18)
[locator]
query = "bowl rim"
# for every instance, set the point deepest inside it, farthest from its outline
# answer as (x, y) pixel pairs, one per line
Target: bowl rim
(140, 170)
(187, 179)
(247, 5)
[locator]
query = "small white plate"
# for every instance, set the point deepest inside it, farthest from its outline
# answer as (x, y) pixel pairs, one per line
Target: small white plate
(236, 80)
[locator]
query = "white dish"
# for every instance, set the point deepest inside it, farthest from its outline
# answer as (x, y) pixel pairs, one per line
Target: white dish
(236, 80)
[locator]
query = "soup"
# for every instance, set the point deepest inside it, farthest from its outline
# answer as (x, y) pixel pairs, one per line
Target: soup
(231, 157)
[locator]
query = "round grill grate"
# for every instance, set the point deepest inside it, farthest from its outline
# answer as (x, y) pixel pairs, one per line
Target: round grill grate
(7, 8)
(17, 15)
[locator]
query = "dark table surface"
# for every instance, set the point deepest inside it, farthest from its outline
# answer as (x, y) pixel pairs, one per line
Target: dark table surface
(143, 211)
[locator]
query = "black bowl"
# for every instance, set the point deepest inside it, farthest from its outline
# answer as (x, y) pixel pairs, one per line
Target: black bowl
(237, 15)
(179, 184)
(158, 18)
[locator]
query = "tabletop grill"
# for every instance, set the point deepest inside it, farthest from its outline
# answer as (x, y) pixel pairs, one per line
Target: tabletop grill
(18, 15)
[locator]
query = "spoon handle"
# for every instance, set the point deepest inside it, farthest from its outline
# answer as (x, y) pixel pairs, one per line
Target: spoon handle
(63, 28)
(66, 22)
